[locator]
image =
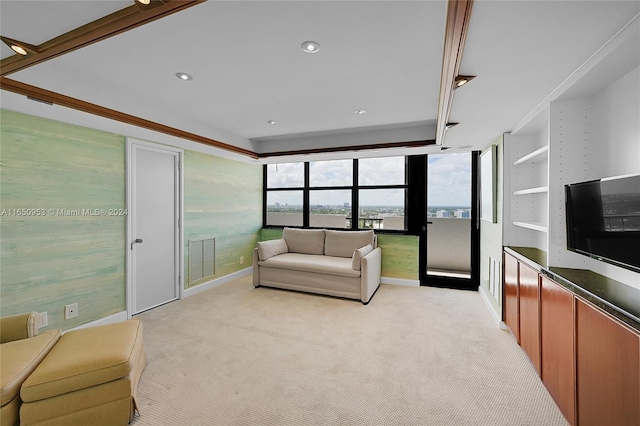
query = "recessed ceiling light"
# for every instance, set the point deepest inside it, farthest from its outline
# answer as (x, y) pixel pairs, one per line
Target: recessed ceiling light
(272, 122)
(19, 50)
(184, 76)
(360, 111)
(145, 2)
(461, 80)
(310, 46)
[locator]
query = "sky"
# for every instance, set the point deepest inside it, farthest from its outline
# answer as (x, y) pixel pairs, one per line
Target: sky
(449, 181)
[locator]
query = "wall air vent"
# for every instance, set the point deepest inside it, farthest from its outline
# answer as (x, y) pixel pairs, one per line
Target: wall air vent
(202, 259)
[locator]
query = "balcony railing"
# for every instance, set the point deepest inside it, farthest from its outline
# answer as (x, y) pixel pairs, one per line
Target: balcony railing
(448, 239)
(449, 246)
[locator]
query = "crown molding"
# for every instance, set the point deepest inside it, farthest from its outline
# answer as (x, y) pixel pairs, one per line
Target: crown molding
(116, 23)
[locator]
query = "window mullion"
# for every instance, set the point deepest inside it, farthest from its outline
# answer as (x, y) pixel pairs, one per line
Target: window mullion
(354, 196)
(305, 197)
(264, 195)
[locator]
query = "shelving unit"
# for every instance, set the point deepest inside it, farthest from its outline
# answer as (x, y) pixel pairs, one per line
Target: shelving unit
(540, 227)
(537, 155)
(537, 190)
(526, 181)
(583, 130)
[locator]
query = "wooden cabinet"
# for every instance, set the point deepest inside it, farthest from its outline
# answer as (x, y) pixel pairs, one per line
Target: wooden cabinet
(588, 360)
(510, 291)
(607, 369)
(529, 310)
(521, 306)
(557, 346)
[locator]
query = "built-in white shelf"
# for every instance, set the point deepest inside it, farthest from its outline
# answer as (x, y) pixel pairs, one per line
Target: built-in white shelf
(537, 155)
(536, 226)
(537, 190)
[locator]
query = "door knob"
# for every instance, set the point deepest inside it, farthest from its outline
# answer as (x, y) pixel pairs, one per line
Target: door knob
(136, 241)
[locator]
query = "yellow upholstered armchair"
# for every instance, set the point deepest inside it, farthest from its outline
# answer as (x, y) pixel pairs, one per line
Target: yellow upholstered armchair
(21, 350)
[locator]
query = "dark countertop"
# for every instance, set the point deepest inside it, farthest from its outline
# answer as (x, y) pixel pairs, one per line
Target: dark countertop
(533, 257)
(620, 300)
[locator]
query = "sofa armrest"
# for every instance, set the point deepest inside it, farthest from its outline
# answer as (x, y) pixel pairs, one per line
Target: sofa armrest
(370, 278)
(17, 327)
(256, 269)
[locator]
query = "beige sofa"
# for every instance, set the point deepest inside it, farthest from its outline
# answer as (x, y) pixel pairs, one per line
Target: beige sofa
(335, 263)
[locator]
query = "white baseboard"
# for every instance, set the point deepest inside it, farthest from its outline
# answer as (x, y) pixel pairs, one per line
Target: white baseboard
(485, 298)
(216, 282)
(400, 281)
(120, 316)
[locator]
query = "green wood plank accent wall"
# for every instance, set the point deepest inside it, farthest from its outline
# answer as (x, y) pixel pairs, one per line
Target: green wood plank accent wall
(399, 253)
(222, 200)
(400, 256)
(61, 254)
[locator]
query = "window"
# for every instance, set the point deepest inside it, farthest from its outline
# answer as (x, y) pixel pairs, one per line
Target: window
(287, 175)
(382, 208)
(284, 198)
(381, 171)
(367, 193)
(331, 173)
(284, 208)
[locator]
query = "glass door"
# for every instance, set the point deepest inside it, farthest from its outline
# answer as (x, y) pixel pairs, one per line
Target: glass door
(450, 240)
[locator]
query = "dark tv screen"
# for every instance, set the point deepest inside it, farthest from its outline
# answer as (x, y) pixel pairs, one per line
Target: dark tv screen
(603, 220)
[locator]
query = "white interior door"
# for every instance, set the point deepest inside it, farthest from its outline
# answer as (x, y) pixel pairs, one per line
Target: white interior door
(154, 232)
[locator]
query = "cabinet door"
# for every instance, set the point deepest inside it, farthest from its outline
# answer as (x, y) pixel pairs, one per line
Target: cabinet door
(556, 344)
(510, 292)
(530, 313)
(608, 376)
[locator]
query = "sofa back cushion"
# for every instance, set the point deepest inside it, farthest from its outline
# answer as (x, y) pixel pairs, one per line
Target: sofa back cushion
(305, 241)
(344, 243)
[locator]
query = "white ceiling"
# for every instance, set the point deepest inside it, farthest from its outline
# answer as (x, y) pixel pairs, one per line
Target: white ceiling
(382, 56)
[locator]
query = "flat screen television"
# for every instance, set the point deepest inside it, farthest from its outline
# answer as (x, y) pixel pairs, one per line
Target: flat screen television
(603, 220)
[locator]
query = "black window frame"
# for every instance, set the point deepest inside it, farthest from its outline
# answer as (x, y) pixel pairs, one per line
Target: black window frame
(355, 190)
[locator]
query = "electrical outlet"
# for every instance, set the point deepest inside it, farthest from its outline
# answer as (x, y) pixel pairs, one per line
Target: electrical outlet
(242, 260)
(43, 319)
(71, 311)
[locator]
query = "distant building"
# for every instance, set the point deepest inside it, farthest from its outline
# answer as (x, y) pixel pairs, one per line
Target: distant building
(462, 214)
(443, 213)
(347, 205)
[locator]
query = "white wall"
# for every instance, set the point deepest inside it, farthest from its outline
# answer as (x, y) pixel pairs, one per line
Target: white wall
(361, 136)
(617, 115)
(491, 236)
(616, 112)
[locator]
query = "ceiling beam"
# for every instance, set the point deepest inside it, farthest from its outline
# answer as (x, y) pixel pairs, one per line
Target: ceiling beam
(457, 27)
(385, 145)
(38, 94)
(116, 23)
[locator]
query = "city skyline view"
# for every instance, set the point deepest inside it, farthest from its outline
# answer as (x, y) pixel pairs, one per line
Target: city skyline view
(449, 180)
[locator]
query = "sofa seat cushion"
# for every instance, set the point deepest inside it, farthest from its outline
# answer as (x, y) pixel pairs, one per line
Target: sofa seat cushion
(85, 358)
(18, 359)
(328, 265)
(344, 243)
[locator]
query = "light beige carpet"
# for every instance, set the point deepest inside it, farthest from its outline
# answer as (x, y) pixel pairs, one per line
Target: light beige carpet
(235, 355)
